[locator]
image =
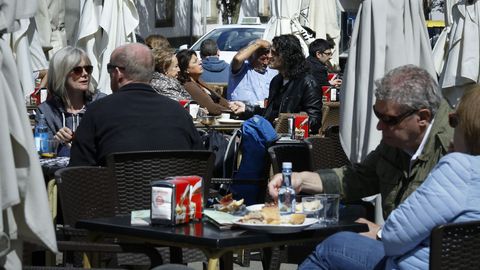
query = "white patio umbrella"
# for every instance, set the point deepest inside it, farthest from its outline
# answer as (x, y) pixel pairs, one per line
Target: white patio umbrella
(387, 34)
(103, 26)
(462, 64)
(284, 20)
(322, 18)
(23, 196)
(441, 46)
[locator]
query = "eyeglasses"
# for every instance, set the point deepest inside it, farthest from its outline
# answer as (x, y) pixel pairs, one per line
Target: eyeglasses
(393, 120)
(111, 67)
(328, 53)
(453, 120)
(79, 70)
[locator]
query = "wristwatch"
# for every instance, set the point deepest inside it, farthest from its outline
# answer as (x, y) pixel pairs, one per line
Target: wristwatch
(379, 234)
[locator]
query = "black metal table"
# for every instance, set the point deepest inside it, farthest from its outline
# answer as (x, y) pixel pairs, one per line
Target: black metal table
(216, 244)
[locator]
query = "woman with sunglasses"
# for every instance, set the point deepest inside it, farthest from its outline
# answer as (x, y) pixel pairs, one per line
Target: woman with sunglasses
(70, 91)
(450, 194)
(190, 71)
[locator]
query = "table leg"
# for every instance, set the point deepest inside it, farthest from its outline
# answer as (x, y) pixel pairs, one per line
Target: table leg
(271, 258)
(226, 261)
(176, 255)
(212, 263)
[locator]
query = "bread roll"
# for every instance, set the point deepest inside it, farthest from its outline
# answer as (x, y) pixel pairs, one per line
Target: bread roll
(297, 219)
(271, 215)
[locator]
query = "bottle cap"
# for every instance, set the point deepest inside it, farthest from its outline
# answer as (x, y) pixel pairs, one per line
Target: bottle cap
(286, 165)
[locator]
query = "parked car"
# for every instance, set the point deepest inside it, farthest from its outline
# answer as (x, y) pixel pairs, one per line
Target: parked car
(230, 38)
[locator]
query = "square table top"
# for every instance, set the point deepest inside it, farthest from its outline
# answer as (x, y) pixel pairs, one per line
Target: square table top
(203, 234)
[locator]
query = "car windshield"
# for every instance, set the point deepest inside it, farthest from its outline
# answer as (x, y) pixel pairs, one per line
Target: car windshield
(231, 39)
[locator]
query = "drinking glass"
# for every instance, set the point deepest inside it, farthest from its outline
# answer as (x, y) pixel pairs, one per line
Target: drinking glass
(329, 207)
(311, 206)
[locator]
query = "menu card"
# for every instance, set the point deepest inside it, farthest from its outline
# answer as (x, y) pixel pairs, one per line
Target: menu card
(220, 219)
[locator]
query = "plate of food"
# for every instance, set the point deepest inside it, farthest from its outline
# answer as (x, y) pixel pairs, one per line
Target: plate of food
(228, 205)
(229, 121)
(255, 207)
(268, 220)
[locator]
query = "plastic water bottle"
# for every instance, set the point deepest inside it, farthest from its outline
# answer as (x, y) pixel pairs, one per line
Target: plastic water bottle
(286, 194)
(41, 134)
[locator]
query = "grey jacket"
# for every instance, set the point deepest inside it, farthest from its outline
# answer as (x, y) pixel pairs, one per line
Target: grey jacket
(56, 116)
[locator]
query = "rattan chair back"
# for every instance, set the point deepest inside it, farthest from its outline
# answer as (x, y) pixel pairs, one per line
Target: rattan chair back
(281, 125)
(85, 192)
(332, 118)
(134, 171)
(297, 153)
(455, 246)
(327, 152)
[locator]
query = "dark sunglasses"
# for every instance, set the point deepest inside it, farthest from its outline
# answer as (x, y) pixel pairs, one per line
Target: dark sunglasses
(393, 120)
(111, 67)
(79, 70)
(453, 120)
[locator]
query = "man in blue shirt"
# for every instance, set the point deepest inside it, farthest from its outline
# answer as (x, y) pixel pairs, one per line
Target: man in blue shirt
(250, 75)
(214, 69)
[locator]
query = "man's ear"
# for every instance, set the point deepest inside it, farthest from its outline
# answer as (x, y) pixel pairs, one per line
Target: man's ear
(425, 117)
(318, 54)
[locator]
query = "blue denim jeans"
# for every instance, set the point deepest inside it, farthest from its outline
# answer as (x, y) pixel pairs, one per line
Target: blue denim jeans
(346, 250)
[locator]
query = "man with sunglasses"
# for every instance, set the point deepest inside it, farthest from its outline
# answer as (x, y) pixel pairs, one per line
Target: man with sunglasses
(135, 117)
(320, 52)
(413, 119)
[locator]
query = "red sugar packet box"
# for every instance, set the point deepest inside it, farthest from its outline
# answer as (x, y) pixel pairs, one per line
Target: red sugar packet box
(196, 195)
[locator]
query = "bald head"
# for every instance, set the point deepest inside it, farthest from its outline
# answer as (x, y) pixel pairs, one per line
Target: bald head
(136, 61)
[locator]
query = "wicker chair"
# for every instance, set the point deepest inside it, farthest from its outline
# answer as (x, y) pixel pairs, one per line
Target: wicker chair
(134, 171)
(281, 126)
(327, 152)
(455, 246)
(90, 192)
(297, 153)
(332, 118)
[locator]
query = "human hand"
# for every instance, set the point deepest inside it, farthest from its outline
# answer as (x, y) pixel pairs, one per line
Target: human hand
(64, 135)
(335, 82)
(277, 180)
(262, 43)
(43, 75)
(237, 107)
(372, 228)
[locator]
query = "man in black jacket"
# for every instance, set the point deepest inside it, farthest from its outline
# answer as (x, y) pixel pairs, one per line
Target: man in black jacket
(134, 117)
(293, 90)
(320, 52)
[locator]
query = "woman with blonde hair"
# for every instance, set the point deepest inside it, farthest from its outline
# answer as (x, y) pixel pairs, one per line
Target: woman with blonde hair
(164, 79)
(157, 42)
(70, 90)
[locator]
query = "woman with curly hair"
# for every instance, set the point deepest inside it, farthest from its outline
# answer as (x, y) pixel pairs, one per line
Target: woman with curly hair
(190, 71)
(164, 79)
(293, 90)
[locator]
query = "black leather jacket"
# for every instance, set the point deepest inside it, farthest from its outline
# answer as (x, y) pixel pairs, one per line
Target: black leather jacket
(297, 95)
(319, 71)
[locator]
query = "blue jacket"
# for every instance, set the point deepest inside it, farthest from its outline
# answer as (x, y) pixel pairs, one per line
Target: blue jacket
(451, 193)
(215, 70)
